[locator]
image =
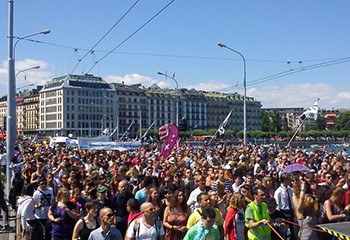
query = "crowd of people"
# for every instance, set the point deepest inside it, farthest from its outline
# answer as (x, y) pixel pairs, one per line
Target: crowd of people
(223, 192)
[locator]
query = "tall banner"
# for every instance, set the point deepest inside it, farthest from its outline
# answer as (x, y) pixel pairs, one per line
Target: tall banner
(168, 133)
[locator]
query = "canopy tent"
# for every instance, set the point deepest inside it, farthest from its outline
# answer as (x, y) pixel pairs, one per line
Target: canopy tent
(340, 230)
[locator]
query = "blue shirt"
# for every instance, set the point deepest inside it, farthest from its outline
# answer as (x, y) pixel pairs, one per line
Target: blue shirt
(99, 234)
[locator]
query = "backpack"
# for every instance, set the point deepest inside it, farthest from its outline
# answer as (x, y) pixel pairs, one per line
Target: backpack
(137, 228)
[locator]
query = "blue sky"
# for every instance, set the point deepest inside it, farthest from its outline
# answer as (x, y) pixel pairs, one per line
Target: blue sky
(299, 38)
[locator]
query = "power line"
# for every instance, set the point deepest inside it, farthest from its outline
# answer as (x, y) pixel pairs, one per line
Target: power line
(178, 56)
(290, 72)
(105, 35)
(131, 35)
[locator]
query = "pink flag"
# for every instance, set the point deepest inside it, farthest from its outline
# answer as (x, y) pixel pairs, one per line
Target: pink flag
(169, 133)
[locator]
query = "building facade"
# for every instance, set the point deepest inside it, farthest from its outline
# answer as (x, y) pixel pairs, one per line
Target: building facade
(85, 105)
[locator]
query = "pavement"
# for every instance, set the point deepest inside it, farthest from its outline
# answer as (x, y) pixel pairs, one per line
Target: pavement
(12, 221)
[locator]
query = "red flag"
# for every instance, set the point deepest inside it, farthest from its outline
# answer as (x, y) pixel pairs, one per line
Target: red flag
(169, 133)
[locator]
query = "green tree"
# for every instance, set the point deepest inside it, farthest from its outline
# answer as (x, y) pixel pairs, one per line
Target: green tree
(229, 133)
(265, 122)
(257, 134)
(276, 120)
(343, 122)
(320, 123)
(212, 131)
(199, 132)
(284, 124)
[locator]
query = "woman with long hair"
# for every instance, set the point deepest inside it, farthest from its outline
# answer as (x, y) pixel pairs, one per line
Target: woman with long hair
(154, 198)
(175, 217)
(63, 216)
(234, 221)
(334, 209)
(87, 224)
(306, 212)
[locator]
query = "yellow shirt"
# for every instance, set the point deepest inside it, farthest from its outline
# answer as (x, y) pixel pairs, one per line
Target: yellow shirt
(197, 215)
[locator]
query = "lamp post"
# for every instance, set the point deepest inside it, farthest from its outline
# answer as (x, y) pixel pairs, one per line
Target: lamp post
(11, 95)
(245, 92)
(177, 97)
(27, 69)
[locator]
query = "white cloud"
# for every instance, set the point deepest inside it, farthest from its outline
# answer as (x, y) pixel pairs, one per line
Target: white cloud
(34, 76)
(300, 95)
(292, 95)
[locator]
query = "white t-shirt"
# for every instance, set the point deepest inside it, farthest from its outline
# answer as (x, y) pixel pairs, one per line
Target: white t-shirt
(41, 213)
(144, 232)
(3, 159)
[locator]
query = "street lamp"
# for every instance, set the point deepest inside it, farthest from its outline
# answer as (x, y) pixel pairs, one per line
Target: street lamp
(11, 95)
(45, 31)
(245, 92)
(177, 97)
(27, 69)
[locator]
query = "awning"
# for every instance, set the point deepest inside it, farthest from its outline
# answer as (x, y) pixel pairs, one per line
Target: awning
(330, 115)
(340, 230)
(330, 123)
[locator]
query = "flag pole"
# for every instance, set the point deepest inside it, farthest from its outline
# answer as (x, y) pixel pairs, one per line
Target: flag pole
(126, 131)
(311, 110)
(212, 137)
(149, 128)
(222, 125)
(295, 133)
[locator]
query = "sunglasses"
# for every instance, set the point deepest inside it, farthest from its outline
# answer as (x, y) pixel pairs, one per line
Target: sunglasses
(150, 210)
(109, 215)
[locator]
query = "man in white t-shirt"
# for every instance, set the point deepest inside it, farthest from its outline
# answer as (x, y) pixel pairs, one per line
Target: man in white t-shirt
(146, 227)
(43, 199)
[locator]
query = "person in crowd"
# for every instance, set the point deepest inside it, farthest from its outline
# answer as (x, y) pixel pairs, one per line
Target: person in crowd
(275, 181)
(17, 185)
(205, 228)
(276, 219)
(133, 208)
(234, 228)
(154, 198)
(146, 227)
(37, 175)
(4, 209)
(142, 194)
(26, 212)
(53, 182)
(43, 199)
(284, 199)
(257, 217)
(175, 217)
(246, 191)
(106, 231)
(267, 185)
(78, 200)
(63, 216)
(102, 199)
(119, 205)
(192, 199)
(333, 206)
(188, 181)
(203, 200)
(237, 183)
(306, 213)
(167, 184)
(88, 223)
